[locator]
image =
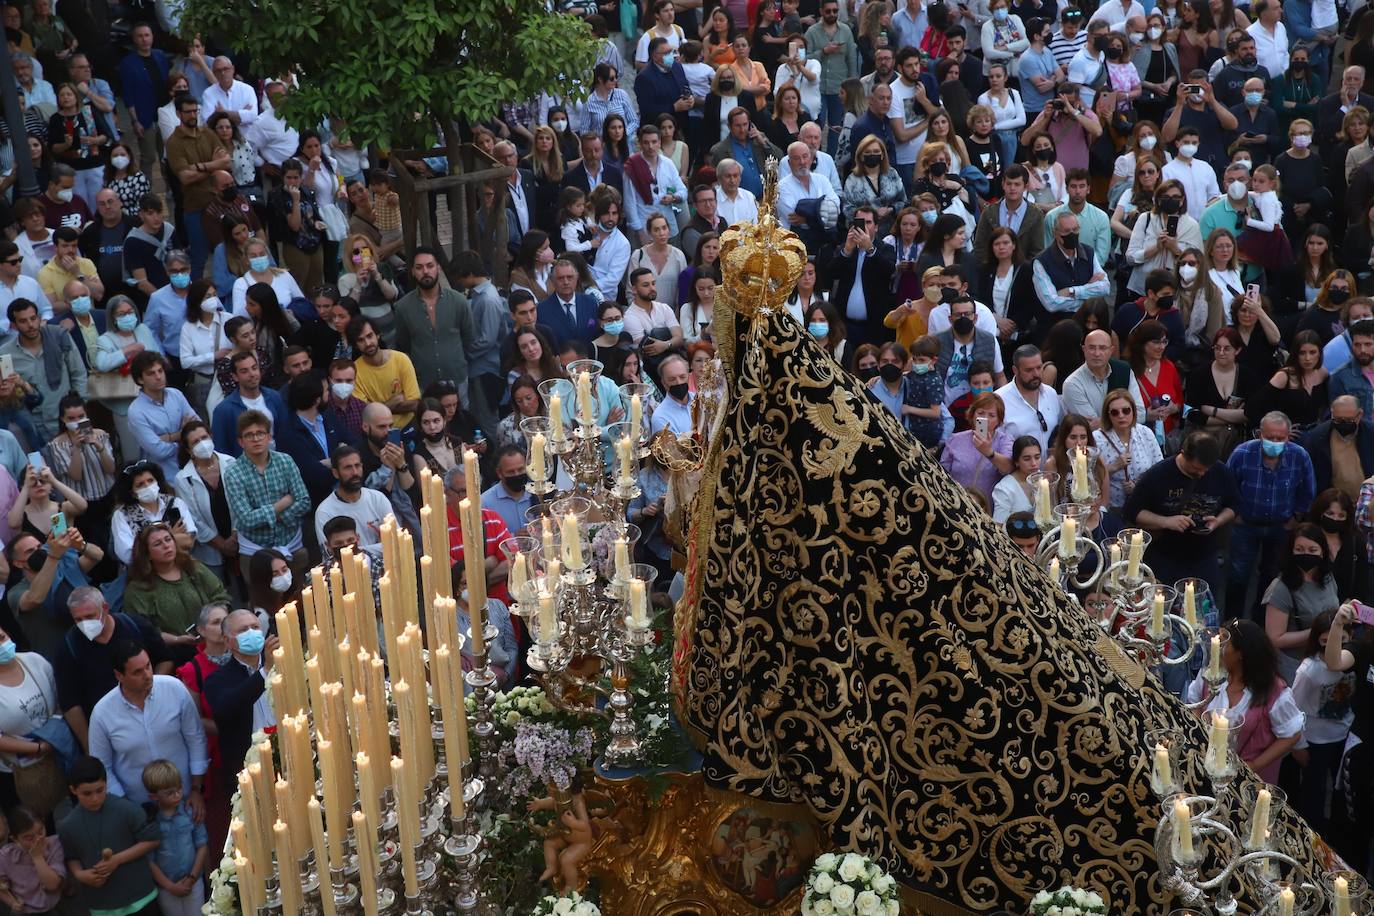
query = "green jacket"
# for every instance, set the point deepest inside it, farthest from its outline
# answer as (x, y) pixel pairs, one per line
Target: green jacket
(173, 606)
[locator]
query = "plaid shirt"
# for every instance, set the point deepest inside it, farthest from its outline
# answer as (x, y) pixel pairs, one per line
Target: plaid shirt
(251, 493)
(1272, 496)
(349, 415)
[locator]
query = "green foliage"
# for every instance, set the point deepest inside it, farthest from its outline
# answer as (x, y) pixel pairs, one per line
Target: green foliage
(388, 69)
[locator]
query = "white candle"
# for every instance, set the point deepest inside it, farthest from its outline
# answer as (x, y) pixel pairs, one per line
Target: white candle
(1217, 739)
(1081, 489)
(1115, 558)
(1157, 615)
(1342, 897)
(584, 397)
(1286, 902)
(626, 464)
(1135, 555)
(636, 418)
(548, 619)
(572, 542)
(1259, 820)
(1054, 568)
(1044, 515)
(1183, 830)
(622, 559)
(639, 615)
(538, 473)
(1162, 778)
(1190, 605)
(1214, 660)
(556, 416)
(1068, 538)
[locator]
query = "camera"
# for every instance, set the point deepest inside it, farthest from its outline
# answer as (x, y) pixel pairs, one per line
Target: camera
(1057, 104)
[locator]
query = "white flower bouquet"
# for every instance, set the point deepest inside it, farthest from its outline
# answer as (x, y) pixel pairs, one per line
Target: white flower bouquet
(1067, 901)
(849, 885)
(569, 904)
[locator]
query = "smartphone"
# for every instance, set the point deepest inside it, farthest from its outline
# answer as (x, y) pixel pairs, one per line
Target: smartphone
(6, 366)
(394, 437)
(59, 524)
(982, 425)
(1171, 225)
(172, 516)
(36, 461)
(1194, 88)
(1252, 292)
(1364, 613)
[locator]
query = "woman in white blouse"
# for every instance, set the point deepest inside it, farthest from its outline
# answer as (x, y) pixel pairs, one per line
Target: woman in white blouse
(1256, 694)
(666, 261)
(260, 270)
(1127, 448)
(1013, 492)
(1009, 115)
(202, 342)
(167, 118)
(1151, 246)
(1223, 270)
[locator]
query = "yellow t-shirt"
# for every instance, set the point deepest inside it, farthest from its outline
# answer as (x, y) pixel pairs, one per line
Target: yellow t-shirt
(54, 279)
(382, 383)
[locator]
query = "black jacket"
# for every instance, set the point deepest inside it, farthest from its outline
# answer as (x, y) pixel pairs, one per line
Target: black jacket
(295, 440)
(610, 174)
(1329, 116)
(877, 284)
(1318, 445)
(231, 692)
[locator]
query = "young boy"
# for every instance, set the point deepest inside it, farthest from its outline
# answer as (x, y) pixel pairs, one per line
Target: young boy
(980, 380)
(386, 205)
(924, 393)
(107, 840)
(180, 859)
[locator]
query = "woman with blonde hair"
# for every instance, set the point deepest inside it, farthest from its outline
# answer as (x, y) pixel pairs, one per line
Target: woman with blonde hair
(260, 270)
(545, 162)
(366, 281)
(873, 183)
(935, 173)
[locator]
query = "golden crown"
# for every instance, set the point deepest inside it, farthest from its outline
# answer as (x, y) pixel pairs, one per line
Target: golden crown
(761, 261)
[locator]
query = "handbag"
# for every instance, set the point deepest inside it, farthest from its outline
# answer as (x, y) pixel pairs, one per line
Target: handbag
(111, 386)
(335, 223)
(41, 784)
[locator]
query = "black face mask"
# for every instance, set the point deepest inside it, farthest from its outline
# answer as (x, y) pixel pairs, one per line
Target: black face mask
(962, 325)
(1070, 240)
(948, 295)
(1345, 427)
(678, 392)
(1164, 303)
(37, 559)
(1337, 296)
(1306, 561)
(1170, 205)
(228, 195)
(890, 372)
(1331, 525)
(868, 374)
(1100, 43)
(873, 162)
(1046, 156)
(727, 88)
(1113, 53)
(516, 482)
(937, 169)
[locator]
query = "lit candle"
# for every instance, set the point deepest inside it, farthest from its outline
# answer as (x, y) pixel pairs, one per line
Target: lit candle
(622, 558)
(1183, 830)
(1054, 569)
(584, 397)
(518, 575)
(1214, 660)
(626, 464)
(408, 812)
(1114, 558)
(548, 619)
(1081, 490)
(1068, 538)
(1286, 902)
(1217, 739)
(365, 833)
(471, 474)
(288, 868)
(538, 472)
(1135, 555)
(572, 543)
(326, 859)
(1157, 615)
(636, 418)
(1162, 777)
(1259, 820)
(546, 538)
(556, 416)
(1044, 515)
(639, 614)
(1342, 887)
(1190, 605)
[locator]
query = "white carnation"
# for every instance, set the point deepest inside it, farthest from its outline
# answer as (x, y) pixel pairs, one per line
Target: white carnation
(842, 895)
(1095, 899)
(563, 907)
(824, 908)
(823, 884)
(223, 898)
(826, 861)
(892, 907)
(1040, 898)
(586, 909)
(852, 867)
(867, 903)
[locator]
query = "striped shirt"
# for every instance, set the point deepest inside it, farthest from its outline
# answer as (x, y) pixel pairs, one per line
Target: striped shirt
(1064, 49)
(94, 482)
(596, 110)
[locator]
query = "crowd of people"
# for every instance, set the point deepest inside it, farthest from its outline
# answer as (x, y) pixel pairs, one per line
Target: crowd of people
(1034, 228)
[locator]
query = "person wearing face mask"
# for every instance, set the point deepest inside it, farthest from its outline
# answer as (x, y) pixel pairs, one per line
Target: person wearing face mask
(661, 86)
(1297, 94)
(1231, 210)
(61, 206)
(199, 486)
(237, 690)
(1196, 176)
(1277, 484)
(675, 412)
(166, 313)
(1308, 200)
(67, 265)
(963, 345)
(1342, 448)
(1200, 111)
(168, 587)
(1304, 588)
(227, 201)
(1156, 62)
(27, 702)
(1228, 75)
(1257, 124)
(503, 505)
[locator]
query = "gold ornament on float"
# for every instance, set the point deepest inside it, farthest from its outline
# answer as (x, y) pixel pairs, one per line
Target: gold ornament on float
(761, 261)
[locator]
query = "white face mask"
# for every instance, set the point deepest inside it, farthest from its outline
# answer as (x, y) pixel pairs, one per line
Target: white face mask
(72, 427)
(1138, 37)
(209, 305)
(119, 162)
(1148, 142)
(203, 449)
(1302, 141)
(281, 583)
(341, 390)
(65, 195)
(1188, 150)
(91, 628)
(1237, 190)
(1187, 273)
(1155, 33)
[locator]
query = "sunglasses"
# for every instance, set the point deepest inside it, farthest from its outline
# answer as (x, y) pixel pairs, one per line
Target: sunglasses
(1022, 527)
(1044, 427)
(1122, 412)
(13, 261)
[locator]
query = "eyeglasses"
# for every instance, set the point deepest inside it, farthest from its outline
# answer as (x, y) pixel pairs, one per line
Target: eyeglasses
(254, 435)
(1121, 412)
(1022, 527)
(13, 261)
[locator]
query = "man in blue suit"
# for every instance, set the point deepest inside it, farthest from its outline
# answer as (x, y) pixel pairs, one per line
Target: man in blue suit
(249, 395)
(570, 314)
(236, 690)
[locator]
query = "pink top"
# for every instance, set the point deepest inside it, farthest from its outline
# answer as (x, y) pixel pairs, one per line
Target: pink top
(17, 868)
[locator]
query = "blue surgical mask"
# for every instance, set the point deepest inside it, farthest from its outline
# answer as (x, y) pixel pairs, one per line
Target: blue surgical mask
(7, 651)
(251, 642)
(977, 391)
(1253, 99)
(127, 321)
(614, 327)
(1272, 449)
(929, 216)
(819, 328)
(81, 305)
(1001, 14)
(920, 368)
(180, 280)
(260, 263)
(669, 59)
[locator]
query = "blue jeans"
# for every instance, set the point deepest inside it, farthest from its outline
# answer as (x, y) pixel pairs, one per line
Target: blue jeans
(1252, 545)
(196, 240)
(833, 111)
(1007, 143)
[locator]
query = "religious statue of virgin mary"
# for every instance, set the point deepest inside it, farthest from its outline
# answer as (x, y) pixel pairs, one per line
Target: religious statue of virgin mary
(859, 637)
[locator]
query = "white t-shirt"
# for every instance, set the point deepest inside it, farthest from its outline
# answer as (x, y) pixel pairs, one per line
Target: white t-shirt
(699, 80)
(904, 101)
(810, 89)
(642, 48)
(639, 322)
(1324, 697)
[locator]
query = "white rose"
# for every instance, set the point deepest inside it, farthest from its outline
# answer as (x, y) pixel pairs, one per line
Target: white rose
(893, 908)
(826, 861)
(563, 907)
(586, 909)
(1095, 899)
(852, 867)
(842, 895)
(223, 898)
(512, 717)
(823, 884)
(807, 909)
(824, 908)
(1040, 898)
(867, 903)
(883, 883)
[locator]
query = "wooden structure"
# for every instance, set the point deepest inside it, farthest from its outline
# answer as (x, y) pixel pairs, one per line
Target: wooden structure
(463, 187)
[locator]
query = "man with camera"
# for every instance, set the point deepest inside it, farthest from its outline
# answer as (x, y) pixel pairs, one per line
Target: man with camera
(1072, 125)
(1198, 108)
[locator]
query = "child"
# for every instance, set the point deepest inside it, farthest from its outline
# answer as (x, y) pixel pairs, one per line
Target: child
(923, 393)
(578, 232)
(980, 380)
(386, 206)
(1324, 697)
(1263, 242)
(180, 859)
(31, 865)
(107, 839)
